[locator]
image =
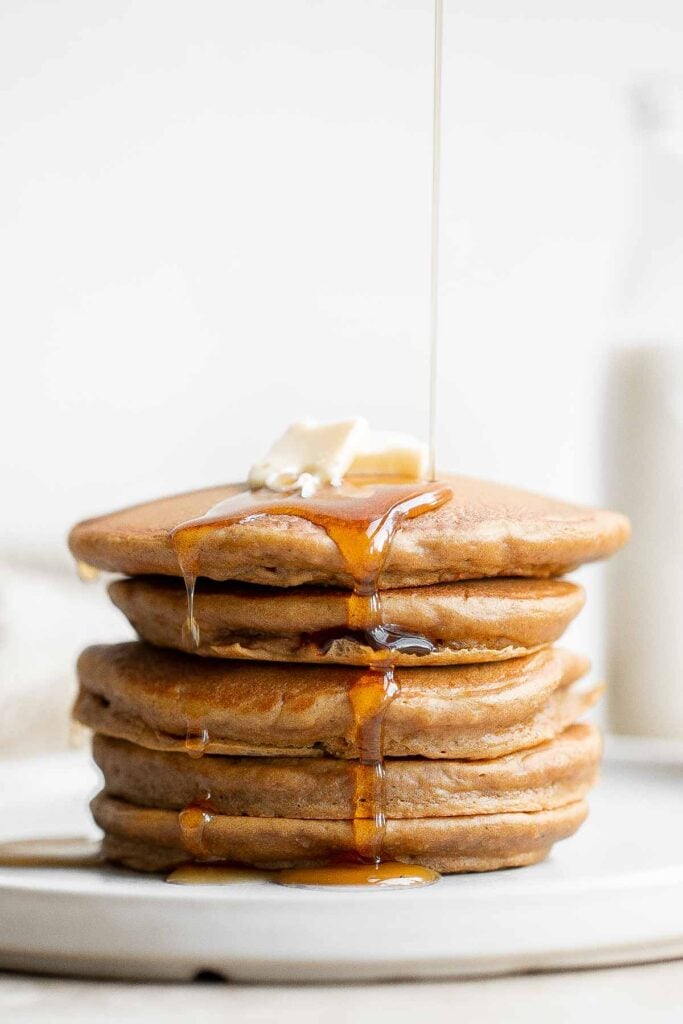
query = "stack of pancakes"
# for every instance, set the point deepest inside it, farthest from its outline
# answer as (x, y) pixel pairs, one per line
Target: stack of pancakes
(485, 766)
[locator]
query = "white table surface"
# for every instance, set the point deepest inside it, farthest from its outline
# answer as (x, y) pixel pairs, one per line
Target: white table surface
(652, 992)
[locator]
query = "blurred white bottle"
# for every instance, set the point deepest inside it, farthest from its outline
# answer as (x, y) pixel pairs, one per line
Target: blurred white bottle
(644, 437)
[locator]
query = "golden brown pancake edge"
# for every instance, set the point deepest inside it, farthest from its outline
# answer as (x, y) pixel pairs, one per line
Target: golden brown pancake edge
(157, 698)
(469, 621)
(552, 774)
(148, 839)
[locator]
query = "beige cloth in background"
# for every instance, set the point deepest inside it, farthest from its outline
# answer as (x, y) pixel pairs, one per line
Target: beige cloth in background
(47, 616)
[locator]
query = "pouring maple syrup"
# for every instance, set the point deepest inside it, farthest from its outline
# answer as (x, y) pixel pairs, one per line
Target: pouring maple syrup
(361, 518)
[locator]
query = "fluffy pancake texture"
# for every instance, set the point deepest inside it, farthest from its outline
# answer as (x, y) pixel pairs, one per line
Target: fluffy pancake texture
(550, 775)
(469, 621)
(156, 698)
(149, 839)
(486, 529)
(485, 766)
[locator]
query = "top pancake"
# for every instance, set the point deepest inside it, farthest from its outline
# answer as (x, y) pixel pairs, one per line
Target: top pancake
(486, 529)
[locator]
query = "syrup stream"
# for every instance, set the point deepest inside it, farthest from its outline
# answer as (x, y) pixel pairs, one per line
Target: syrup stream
(434, 264)
(190, 627)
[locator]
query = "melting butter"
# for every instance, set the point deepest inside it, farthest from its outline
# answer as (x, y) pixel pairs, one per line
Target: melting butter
(311, 454)
(389, 453)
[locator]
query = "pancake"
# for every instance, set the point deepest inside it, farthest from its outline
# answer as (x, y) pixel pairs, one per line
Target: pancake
(470, 621)
(149, 839)
(486, 529)
(158, 698)
(550, 775)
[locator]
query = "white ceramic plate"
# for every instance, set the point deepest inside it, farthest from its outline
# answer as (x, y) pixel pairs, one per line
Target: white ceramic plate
(612, 894)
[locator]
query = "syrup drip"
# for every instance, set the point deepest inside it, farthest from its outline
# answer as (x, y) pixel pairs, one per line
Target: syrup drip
(196, 744)
(361, 517)
(197, 737)
(192, 822)
(190, 633)
(370, 697)
(386, 637)
(87, 573)
(59, 852)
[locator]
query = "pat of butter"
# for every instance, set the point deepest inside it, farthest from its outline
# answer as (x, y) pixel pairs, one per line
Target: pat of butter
(388, 452)
(310, 454)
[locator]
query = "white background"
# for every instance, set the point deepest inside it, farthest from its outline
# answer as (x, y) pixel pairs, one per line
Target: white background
(214, 218)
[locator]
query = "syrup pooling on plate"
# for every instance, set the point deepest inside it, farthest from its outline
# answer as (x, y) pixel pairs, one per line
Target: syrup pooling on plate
(361, 517)
(385, 875)
(58, 852)
(217, 874)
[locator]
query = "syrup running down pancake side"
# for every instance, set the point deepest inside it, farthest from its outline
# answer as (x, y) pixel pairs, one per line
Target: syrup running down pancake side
(361, 517)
